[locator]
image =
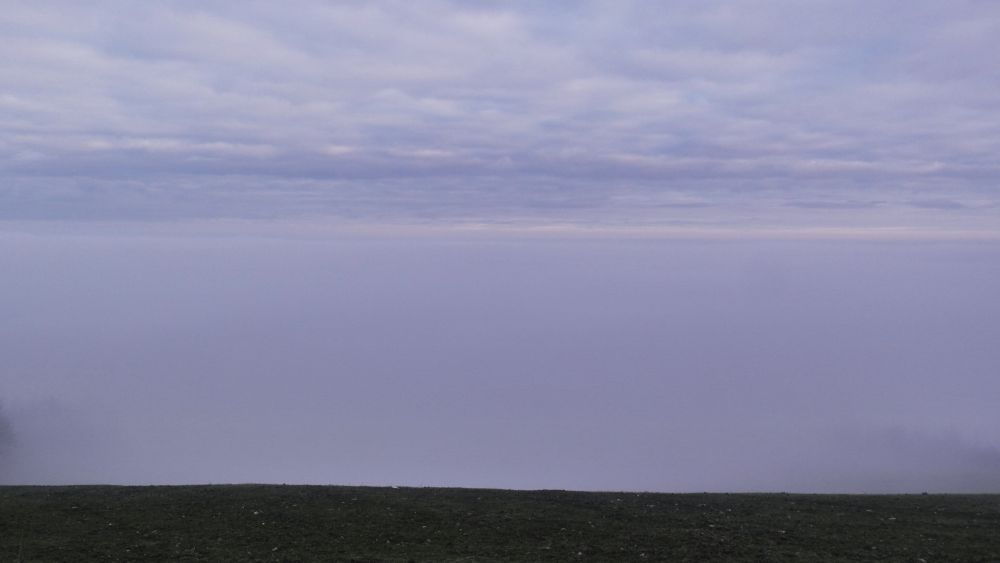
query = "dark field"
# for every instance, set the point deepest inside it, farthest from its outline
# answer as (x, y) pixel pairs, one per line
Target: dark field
(299, 523)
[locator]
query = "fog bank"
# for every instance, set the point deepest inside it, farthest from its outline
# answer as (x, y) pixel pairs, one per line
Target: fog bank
(614, 364)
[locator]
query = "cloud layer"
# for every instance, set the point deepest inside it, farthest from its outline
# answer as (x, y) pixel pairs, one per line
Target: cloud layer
(666, 112)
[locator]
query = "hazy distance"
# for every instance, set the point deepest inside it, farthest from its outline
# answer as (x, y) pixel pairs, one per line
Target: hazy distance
(669, 365)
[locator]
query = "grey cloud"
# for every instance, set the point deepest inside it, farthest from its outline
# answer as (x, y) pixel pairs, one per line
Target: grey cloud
(938, 204)
(850, 204)
(776, 94)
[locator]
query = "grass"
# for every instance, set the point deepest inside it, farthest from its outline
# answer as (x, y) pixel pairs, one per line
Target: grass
(307, 523)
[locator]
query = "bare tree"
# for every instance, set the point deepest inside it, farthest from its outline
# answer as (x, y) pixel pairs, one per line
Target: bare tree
(6, 442)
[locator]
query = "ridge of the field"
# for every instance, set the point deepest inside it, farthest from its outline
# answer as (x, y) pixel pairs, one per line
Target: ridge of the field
(390, 524)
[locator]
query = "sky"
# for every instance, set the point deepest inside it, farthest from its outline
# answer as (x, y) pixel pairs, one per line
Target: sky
(627, 245)
(686, 114)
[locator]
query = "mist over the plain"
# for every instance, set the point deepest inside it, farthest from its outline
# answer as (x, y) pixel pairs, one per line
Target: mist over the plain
(669, 365)
(670, 245)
